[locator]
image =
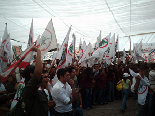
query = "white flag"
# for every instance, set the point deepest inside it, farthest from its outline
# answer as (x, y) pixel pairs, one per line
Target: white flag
(138, 51)
(48, 39)
(80, 46)
(70, 52)
(97, 44)
(7, 47)
(111, 54)
(83, 48)
(62, 53)
(12, 67)
(102, 47)
(117, 44)
(3, 54)
(86, 54)
(30, 41)
(124, 55)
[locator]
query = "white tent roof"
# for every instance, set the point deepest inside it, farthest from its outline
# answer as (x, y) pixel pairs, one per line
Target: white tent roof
(86, 17)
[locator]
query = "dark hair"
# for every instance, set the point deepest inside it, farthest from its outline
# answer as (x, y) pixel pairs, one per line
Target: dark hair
(88, 71)
(153, 66)
(120, 65)
(70, 68)
(144, 67)
(100, 70)
(61, 72)
(110, 69)
(26, 73)
(4, 98)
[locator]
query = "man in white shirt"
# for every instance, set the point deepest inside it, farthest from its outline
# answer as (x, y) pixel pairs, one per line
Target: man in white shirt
(142, 85)
(63, 93)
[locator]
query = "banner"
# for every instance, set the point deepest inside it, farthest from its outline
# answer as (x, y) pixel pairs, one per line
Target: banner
(146, 47)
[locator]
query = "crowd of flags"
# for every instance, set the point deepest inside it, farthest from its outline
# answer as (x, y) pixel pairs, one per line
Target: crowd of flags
(104, 50)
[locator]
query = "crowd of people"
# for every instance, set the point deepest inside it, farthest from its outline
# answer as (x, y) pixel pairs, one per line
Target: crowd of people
(78, 88)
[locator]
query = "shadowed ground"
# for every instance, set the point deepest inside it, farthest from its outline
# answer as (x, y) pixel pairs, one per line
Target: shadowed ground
(112, 109)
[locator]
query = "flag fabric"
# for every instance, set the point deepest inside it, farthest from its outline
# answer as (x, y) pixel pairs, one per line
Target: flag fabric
(4, 38)
(48, 39)
(111, 54)
(0, 44)
(12, 67)
(18, 92)
(7, 47)
(124, 55)
(38, 42)
(116, 44)
(3, 54)
(80, 45)
(27, 60)
(152, 51)
(17, 50)
(104, 44)
(98, 42)
(138, 51)
(70, 52)
(62, 53)
(30, 41)
(83, 48)
(86, 54)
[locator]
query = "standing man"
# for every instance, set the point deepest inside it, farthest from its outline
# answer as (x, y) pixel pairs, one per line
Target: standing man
(142, 85)
(77, 104)
(63, 93)
(35, 100)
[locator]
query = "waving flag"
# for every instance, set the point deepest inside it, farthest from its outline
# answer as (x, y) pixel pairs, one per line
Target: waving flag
(70, 51)
(48, 39)
(80, 45)
(97, 44)
(86, 54)
(137, 52)
(83, 48)
(12, 67)
(102, 47)
(124, 55)
(62, 53)
(3, 54)
(7, 47)
(116, 44)
(153, 51)
(30, 41)
(111, 55)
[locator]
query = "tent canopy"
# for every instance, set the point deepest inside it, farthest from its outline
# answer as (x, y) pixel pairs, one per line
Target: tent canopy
(122, 17)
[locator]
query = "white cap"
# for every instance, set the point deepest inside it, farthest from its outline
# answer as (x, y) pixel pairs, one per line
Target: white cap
(126, 75)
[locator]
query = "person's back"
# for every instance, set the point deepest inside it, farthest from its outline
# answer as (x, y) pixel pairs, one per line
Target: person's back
(126, 84)
(35, 100)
